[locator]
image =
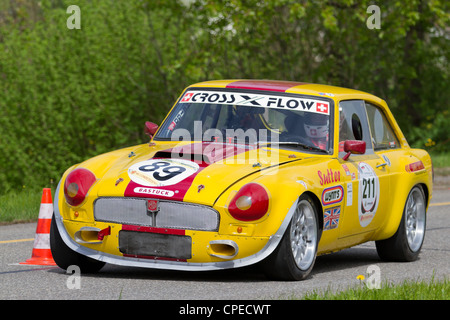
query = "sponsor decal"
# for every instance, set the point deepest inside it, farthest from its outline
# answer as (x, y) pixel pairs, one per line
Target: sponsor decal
(176, 119)
(329, 176)
(331, 218)
(161, 172)
(368, 194)
(349, 194)
(257, 100)
(332, 195)
(155, 192)
(346, 169)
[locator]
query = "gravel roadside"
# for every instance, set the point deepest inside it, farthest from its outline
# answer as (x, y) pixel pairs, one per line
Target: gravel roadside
(441, 178)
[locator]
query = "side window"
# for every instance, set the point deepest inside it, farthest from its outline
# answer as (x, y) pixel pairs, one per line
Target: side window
(353, 124)
(383, 136)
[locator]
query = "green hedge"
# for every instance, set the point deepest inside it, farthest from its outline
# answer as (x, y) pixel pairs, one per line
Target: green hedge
(67, 95)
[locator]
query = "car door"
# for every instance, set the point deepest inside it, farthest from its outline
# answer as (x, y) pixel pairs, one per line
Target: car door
(386, 145)
(366, 179)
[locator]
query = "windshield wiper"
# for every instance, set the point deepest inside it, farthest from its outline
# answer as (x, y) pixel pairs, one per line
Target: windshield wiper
(294, 144)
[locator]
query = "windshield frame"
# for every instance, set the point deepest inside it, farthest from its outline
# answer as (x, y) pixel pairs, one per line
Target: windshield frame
(331, 122)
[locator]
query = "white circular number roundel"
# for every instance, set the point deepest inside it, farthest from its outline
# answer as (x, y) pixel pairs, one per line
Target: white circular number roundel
(161, 172)
(368, 194)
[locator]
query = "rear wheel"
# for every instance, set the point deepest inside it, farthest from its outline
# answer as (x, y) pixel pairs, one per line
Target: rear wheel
(295, 255)
(65, 257)
(406, 243)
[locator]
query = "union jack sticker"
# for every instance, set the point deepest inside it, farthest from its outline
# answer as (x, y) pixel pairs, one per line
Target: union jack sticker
(331, 218)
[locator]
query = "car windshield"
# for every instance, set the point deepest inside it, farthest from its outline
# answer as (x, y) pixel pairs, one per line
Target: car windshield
(251, 118)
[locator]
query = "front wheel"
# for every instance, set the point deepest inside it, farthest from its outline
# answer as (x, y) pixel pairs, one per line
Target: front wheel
(295, 255)
(406, 243)
(65, 257)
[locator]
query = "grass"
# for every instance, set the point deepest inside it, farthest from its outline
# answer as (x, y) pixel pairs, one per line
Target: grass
(440, 160)
(441, 163)
(407, 290)
(18, 207)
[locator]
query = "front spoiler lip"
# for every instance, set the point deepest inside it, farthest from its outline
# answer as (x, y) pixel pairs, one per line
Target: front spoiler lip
(165, 264)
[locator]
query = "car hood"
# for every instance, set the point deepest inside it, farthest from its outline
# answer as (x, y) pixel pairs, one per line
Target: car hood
(193, 172)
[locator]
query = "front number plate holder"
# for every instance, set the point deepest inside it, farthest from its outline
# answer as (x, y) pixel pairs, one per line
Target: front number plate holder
(155, 245)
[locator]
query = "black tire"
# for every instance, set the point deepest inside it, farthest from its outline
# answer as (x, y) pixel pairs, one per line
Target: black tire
(405, 244)
(65, 257)
(282, 263)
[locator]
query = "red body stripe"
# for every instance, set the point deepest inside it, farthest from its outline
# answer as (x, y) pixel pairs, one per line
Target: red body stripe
(178, 232)
(212, 152)
(267, 85)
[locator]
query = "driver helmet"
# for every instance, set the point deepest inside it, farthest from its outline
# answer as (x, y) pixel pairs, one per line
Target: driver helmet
(316, 125)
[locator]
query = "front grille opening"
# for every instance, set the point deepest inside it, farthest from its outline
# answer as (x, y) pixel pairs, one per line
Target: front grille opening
(171, 214)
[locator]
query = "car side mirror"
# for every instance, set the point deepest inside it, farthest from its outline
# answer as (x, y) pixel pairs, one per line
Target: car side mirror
(150, 128)
(354, 147)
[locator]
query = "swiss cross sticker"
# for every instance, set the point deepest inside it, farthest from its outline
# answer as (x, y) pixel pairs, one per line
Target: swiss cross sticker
(187, 97)
(322, 107)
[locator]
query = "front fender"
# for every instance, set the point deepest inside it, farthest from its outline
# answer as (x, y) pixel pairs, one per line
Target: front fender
(284, 190)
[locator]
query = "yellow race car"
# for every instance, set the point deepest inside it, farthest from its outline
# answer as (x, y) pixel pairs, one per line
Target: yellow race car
(242, 172)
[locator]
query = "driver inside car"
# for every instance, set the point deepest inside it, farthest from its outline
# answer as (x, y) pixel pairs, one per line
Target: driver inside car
(316, 129)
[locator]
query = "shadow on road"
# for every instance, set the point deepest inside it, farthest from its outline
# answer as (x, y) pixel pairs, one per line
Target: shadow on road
(345, 259)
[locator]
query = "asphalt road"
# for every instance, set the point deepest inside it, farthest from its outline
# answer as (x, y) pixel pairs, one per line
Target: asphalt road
(336, 271)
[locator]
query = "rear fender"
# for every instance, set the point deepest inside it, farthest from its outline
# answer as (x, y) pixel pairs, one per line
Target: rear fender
(401, 188)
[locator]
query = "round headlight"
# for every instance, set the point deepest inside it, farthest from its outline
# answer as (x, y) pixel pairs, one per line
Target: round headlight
(77, 185)
(250, 203)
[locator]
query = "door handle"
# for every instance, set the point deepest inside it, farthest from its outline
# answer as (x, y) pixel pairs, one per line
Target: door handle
(381, 165)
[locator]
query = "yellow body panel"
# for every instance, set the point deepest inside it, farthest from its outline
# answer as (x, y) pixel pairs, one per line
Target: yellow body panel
(286, 179)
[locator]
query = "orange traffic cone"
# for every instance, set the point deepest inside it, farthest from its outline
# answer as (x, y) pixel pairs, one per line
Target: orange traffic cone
(42, 254)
